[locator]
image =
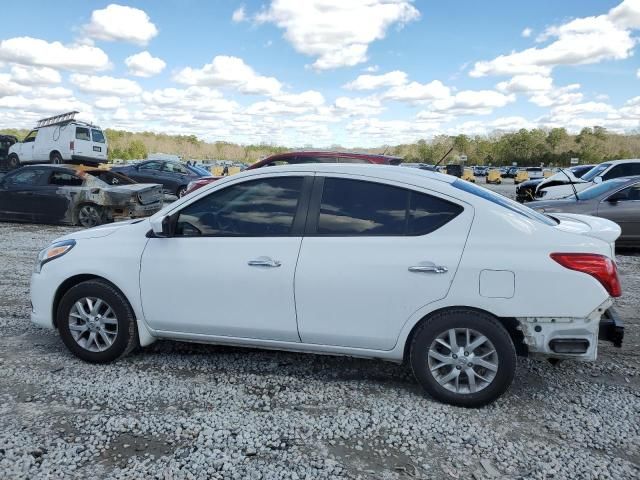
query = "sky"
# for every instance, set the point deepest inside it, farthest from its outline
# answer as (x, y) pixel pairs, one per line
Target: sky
(323, 72)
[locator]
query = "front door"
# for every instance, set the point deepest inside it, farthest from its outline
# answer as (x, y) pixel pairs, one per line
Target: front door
(228, 269)
(373, 254)
(18, 199)
(26, 154)
(623, 208)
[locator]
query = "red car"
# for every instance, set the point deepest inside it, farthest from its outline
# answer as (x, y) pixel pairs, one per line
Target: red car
(308, 157)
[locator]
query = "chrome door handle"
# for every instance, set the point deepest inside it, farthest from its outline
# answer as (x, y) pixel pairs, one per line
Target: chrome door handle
(428, 268)
(264, 262)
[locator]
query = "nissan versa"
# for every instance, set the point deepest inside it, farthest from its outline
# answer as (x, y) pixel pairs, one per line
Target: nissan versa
(370, 261)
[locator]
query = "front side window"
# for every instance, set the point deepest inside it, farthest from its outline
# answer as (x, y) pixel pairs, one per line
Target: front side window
(630, 194)
(97, 135)
(355, 207)
(599, 189)
(257, 208)
(82, 133)
(65, 179)
(151, 166)
(622, 170)
(31, 136)
(25, 178)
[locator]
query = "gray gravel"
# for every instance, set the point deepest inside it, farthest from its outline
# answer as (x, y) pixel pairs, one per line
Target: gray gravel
(182, 411)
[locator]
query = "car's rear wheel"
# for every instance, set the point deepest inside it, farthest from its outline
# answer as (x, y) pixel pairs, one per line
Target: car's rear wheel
(463, 357)
(14, 161)
(56, 158)
(96, 322)
(90, 215)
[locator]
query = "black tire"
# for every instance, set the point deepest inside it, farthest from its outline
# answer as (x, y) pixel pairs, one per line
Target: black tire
(126, 338)
(56, 158)
(463, 318)
(14, 161)
(181, 191)
(90, 215)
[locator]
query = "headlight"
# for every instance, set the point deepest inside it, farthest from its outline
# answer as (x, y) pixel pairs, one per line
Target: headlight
(53, 251)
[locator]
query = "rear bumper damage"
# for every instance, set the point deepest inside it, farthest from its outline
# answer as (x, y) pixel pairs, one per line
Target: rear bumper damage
(575, 338)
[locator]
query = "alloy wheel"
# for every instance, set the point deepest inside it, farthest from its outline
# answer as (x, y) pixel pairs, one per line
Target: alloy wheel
(93, 324)
(89, 216)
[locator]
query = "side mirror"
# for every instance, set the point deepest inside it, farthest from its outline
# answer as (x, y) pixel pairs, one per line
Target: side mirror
(162, 226)
(597, 180)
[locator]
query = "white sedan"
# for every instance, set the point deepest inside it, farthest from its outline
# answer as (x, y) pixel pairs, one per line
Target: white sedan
(369, 261)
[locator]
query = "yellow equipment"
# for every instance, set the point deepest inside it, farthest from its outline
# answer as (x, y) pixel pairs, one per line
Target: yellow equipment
(494, 176)
(468, 175)
(521, 176)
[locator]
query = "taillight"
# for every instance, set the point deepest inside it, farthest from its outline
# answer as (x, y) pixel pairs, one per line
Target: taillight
(599, 267)
(71, 145)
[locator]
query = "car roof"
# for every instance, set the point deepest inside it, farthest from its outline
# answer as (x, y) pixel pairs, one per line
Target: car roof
(309, 153)
(387, 172)
(615, 162)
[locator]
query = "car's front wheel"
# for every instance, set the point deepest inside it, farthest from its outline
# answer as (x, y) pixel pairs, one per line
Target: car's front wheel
(14, 161)
(96, 322)
(463, 357)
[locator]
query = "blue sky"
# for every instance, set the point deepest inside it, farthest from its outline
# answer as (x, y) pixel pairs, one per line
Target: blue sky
(323, 72)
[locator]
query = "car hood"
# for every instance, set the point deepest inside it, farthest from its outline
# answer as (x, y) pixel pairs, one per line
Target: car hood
(100, 231)
(594, 227)
(561, 191)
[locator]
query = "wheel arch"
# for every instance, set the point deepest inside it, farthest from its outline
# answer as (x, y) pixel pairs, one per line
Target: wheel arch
(509, 323)
(144, 335)
(53, 152)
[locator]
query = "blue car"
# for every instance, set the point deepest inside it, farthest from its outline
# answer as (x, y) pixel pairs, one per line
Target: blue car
(173, 175)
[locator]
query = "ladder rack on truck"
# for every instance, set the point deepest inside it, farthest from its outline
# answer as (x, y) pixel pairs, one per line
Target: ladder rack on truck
(56, 119)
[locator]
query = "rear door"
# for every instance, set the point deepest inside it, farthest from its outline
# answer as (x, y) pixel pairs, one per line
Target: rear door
(99, 145)
(373, 254)
(57, 195)
(147, 172)
(82, 143)
(623, 208)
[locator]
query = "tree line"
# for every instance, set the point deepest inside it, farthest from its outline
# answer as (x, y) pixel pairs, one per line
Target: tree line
(554, 147)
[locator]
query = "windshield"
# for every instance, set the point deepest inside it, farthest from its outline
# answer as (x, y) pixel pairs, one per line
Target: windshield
(199, 170)
(595, 171)
(599, 189)
(503, 202)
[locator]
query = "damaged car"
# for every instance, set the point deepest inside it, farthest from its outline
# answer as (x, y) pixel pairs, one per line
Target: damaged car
(63, 194)
(420, 267)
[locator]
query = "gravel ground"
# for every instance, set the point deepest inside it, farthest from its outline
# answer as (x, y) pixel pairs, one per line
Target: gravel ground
(176, 410)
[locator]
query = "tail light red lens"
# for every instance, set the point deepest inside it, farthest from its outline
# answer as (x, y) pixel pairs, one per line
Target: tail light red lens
(599, 267)
(71, 145)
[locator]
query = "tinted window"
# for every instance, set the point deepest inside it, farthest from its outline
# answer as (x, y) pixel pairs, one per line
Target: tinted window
(257, 208)
(82, 133)
(97, 135)
(631, 193)
(622, 170)
(353, 207)
(24, 178)
(595, 171)
(427, 213)
(599, 189)
(65, 179)
(503, 201)
(151, 166)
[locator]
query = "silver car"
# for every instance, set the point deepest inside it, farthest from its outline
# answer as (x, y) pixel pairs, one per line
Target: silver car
(617, 200)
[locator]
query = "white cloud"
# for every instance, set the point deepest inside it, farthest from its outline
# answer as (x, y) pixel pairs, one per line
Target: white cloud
(371, 68)
(414, 91)
(53, 92)
(143, 64)
(557, 96)
(9, 87)
(526, 83)
(43, 104)
(108, 103)
(337, 32)
(579, 41)
(472, 102)
(104, 85)
(35, 75)
(349, 106)
(121, 23)
(371, 82)
(526, 33)
(201, 101)
(239, 14)
(288, 104)
(37, 52)
(232, 72)
(638, 73)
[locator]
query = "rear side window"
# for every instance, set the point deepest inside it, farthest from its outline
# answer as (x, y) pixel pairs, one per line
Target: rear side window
(622, 170)
(503, 202)
(65, 179)
(82, 133)
(258, 208)
(97, 135)
(354, 207)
